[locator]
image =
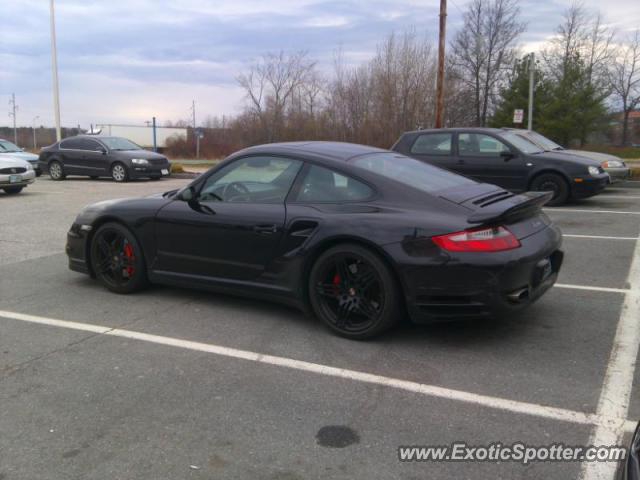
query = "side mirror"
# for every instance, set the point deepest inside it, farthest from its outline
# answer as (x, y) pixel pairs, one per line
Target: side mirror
(102, 150)
(507, 155)
(187, 195)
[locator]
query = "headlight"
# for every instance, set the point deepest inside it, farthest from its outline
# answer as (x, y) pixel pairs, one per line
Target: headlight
(594, 171)
(29, 166)
(139, 161)
(613, 164)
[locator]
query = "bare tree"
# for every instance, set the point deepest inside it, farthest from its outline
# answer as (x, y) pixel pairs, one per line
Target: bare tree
(270, 84)
(624, 75)
(484, 50)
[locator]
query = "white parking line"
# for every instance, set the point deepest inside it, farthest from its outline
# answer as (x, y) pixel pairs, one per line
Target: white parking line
(577, 210)
(618, 196)
(618, 380)
(598, 237)
(592, 289)
(518, 407)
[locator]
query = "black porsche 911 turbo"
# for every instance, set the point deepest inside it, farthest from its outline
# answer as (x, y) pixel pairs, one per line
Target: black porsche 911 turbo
(360, 236)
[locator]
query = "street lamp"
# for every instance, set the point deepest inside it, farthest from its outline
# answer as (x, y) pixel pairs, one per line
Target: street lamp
(33, 124)
(54, 71)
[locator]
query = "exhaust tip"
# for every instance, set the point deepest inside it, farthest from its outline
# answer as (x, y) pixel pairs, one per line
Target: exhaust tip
(519, 295)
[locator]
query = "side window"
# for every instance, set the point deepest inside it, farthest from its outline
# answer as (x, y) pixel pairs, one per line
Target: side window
(479, 144)
(261, 179)
(324, 185)
(91, 145)
(72, 144)
(433, 144)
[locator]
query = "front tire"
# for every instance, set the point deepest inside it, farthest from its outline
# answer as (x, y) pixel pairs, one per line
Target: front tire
(56, 171)
(354, 292)
(119, 173)
(552, 182)
(117, 259)
(12, 190)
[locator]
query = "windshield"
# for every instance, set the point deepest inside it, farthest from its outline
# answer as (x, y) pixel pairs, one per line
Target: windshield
(6, 146)
(542, 141)
(410, 171)
(117, 143)
(521, 142)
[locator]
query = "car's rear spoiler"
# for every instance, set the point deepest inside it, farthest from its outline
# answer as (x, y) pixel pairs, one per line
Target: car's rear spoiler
(511, 209)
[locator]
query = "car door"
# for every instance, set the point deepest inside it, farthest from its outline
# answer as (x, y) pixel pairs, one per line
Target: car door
(488, 159)
(94, 158)
(435, 148)
(231, 227)
(72, 153)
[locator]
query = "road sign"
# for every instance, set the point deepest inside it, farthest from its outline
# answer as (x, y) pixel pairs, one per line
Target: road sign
(518, 115)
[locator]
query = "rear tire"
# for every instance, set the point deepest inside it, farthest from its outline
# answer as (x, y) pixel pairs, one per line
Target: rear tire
(12, 190)
(552, 182)
(93, 177)
(119, 173)
(354, 292)
(117, 259)
(56, 171)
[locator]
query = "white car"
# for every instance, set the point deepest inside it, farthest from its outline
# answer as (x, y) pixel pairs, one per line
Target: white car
(15, 174)
(12, 150)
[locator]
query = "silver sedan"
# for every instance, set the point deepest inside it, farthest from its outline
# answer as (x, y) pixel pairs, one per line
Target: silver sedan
(15, 174)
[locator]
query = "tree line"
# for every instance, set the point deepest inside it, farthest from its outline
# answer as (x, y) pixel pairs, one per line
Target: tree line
(586, 71)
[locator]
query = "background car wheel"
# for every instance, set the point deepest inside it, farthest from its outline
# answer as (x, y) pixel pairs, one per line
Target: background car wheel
(154, 178)
(354, 292)
(56, 172)
(117, 259)
(119, 172)
(552, 182)
(93, 177)
(12, 190)
(38, 173)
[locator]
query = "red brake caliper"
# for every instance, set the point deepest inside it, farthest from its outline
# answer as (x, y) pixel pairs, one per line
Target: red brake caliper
(128, 253)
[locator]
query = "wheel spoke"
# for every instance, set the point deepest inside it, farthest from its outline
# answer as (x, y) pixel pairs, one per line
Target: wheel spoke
(328, 290)
(367, 308)
(366, 279)
(105, 248)
(342, 314)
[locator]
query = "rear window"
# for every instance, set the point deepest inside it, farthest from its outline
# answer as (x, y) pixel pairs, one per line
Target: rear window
(433, 144)
(410, 171)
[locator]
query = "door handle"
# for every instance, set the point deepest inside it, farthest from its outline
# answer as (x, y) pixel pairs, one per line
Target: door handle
(268, 229)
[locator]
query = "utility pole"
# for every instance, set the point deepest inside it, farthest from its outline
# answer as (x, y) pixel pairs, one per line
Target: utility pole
(33, 124)
(440, 79)
(12, 113)
(193, 112)
(195, 134)
(54, 70)
(532, 71)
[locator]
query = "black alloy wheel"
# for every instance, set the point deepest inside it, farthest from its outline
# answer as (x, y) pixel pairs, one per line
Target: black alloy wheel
(117, 260)
(354, 292)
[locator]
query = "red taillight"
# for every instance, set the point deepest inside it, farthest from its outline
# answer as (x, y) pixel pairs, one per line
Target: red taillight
(494, 239)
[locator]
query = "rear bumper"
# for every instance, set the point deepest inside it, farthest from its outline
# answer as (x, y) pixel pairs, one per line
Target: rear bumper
(590, 186)
(482, 285)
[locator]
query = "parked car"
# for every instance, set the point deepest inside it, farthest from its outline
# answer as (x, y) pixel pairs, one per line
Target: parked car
(356, 234)
(506, 158)
(15, 174)
(92, 156)
(614, 166)
(631, 466)
(11, 149)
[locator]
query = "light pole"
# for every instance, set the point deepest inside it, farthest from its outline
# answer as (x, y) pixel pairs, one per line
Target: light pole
(532, 78)
(54, 71)
(33, 123)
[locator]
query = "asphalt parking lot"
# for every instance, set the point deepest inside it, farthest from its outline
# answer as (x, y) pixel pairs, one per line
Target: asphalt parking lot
(171, 383)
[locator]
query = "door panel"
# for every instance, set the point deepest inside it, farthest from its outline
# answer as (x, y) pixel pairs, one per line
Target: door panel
(435, 148)
(231, 240)
(479, 156)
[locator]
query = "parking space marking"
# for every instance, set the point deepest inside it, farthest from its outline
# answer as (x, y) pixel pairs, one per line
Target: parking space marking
(577, 210)
(618, 380)
(598, 237)
(524, 408)
(630, 426)
(593, 289)
(619, 197)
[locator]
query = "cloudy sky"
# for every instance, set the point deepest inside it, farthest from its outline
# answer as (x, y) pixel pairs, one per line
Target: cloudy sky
(123, 61)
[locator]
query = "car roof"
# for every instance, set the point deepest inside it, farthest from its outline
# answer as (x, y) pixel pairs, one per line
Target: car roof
(460, 129)
(341, 151)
